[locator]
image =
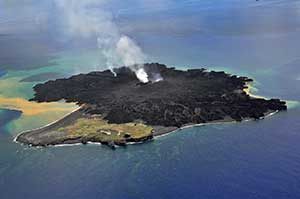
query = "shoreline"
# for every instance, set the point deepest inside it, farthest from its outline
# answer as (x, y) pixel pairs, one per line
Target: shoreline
(156, 135)
(45, 126)
(215, 123)
(48, 135)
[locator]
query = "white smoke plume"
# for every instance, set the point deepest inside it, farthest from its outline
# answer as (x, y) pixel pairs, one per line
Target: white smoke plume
(89, 18)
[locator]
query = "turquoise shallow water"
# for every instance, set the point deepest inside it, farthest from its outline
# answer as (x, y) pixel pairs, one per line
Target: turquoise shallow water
(238, 160)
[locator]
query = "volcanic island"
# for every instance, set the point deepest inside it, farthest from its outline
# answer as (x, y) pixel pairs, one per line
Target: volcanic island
(119, 110)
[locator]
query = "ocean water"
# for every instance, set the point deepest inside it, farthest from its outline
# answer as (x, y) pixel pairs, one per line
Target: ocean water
(254, 159)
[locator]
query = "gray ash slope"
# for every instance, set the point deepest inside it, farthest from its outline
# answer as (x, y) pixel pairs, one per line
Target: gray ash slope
(183, 97)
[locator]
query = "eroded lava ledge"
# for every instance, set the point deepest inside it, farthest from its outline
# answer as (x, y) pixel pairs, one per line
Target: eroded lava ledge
(182, 97)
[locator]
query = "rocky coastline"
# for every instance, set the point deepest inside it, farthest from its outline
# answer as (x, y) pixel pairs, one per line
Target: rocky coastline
(182, 98)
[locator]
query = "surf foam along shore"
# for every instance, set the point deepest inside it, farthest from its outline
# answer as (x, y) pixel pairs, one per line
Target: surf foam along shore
(115, 107)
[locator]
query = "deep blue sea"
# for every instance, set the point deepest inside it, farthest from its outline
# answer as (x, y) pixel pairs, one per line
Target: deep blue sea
(248, 160)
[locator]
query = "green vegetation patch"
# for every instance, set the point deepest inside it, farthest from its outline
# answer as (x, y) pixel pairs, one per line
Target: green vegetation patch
(99, 129)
